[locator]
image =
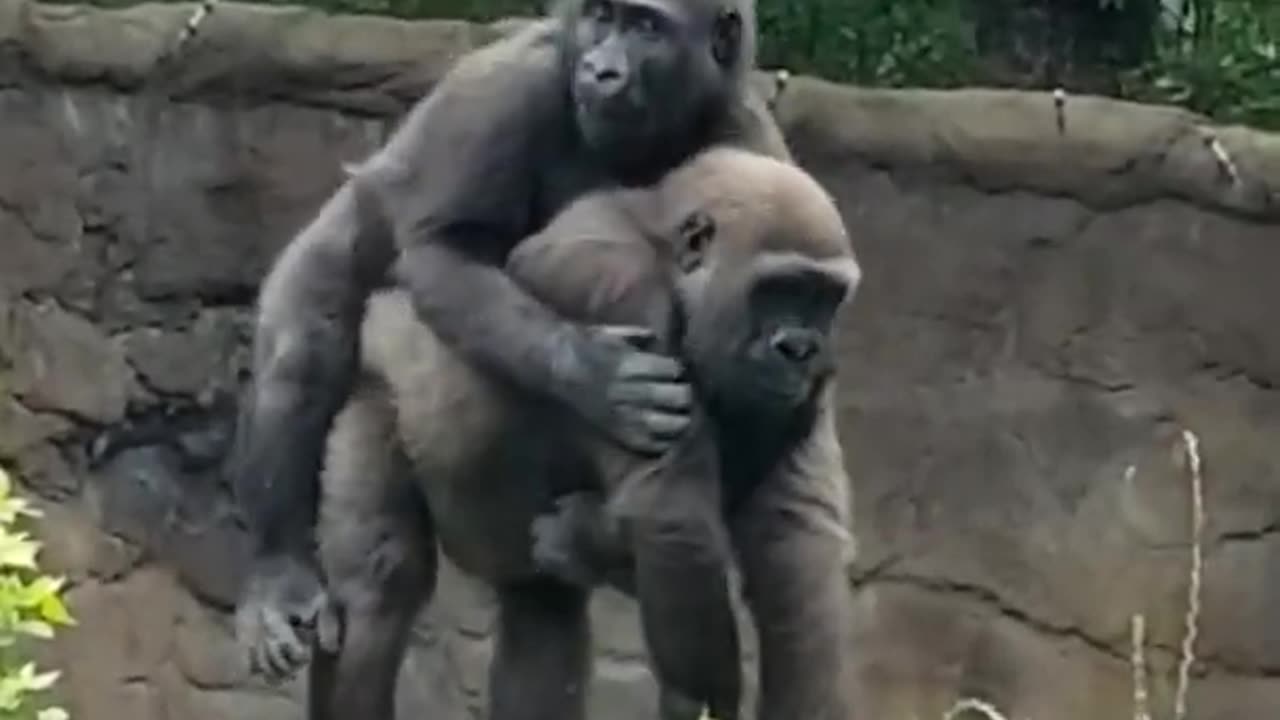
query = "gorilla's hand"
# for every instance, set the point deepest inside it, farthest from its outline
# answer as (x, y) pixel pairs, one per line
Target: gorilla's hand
(640, 398)
(559, 537)
(284, 610)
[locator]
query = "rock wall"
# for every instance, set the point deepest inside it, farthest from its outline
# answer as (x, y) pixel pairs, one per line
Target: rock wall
(1047, 308)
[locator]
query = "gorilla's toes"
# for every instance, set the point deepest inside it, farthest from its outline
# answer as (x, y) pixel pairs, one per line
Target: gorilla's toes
(553, 551)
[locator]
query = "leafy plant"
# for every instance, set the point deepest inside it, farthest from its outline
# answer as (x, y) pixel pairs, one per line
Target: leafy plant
(30, 607)
(1218, 57)
(879, 42)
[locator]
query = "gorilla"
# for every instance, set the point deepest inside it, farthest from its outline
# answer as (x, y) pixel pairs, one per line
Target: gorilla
(742, 262)
(601, 93)
(597, 266)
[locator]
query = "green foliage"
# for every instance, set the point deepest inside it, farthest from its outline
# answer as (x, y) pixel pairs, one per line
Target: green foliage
(1219, 57)
(870, 42)
(30, 607)
(1222, 58)
(465, 9)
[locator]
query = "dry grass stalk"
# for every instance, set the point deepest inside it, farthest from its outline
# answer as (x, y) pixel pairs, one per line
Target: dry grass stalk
(975, 705)
(1187, 655)
(1141, 709)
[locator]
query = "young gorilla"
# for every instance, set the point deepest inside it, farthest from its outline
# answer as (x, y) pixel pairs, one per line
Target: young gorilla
(604, 92)
(598, 265)
(744, 260)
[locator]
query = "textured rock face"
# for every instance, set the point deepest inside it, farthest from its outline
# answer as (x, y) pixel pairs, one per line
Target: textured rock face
(1043, 314)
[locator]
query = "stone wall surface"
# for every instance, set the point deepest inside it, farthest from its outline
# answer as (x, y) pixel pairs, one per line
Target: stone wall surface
(1046, 310)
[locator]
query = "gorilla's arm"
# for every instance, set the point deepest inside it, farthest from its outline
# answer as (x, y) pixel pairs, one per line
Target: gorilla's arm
(793, 546)
(595, 264)
(305, 345)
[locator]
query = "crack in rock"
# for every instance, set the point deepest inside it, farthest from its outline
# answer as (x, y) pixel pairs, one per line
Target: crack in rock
(1206, 665)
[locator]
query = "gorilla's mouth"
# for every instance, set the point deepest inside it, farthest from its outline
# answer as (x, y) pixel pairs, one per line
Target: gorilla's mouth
(784, 393)
(614, 117)
(767, 392)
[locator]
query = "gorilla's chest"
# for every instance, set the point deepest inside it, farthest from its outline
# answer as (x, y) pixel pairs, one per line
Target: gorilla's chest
(564, 176)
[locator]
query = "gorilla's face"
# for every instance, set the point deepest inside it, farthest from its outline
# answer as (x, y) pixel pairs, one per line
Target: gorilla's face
(644, 72)
(760, 286)
(759, 335)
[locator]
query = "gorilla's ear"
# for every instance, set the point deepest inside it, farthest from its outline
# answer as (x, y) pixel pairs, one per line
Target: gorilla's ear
(694, 238)
(726, 37)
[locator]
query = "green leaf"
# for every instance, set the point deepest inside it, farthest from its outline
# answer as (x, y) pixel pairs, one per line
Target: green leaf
(54, 610)
(44, 680)
(17, 551)
(35, 628)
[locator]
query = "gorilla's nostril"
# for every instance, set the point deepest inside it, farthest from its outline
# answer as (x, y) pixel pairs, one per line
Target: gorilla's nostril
(610, 81)
(796, 345)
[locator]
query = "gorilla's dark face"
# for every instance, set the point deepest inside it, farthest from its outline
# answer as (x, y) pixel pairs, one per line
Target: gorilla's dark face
(760, 287)
(786, 351)
(760, 334)
(645, 72)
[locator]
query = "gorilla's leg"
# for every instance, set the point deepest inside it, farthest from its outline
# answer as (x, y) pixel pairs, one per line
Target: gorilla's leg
(793, 547)
(541, 664)
(378, 553)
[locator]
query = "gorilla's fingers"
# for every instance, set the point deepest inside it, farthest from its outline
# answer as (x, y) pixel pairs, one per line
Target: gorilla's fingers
(256, 664)
(642, 443)
(260, 659)
(274, 662)
(663, 426)
(287, 657)
(306, 614)
(638, 337)
(650, 366)
(672, 396)
(275, 624)
(273, 666)
(329, 628)
(284, 651)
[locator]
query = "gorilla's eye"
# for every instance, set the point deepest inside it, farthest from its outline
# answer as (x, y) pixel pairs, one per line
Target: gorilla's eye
(726, 37)
(600, 11)
(648, 23)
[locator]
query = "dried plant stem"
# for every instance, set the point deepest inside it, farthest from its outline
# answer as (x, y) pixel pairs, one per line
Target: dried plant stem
(1141, 702)
(1141, 709)
(975, 705)
(189, 30)
(1187, 655)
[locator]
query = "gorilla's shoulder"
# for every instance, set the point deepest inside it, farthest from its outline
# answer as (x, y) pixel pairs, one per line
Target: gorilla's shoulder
(521, 71)
(531, 54)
